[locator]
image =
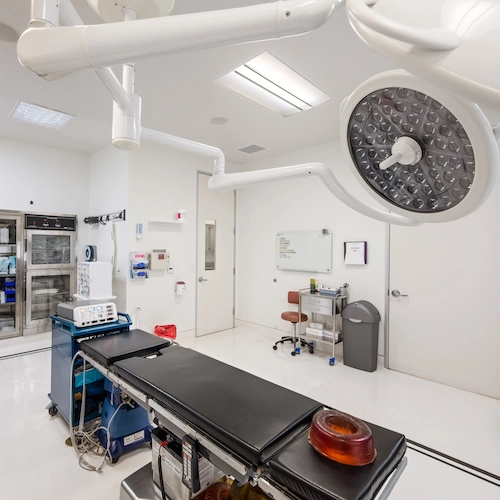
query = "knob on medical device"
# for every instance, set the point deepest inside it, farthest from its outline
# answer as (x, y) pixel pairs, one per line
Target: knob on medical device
(405, 151)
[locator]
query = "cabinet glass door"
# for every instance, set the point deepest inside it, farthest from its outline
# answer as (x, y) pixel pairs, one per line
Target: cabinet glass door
(10, 296)
(43, 292)
(49, 249)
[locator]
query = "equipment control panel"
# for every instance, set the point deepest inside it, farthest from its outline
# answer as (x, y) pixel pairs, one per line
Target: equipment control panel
(88, 312)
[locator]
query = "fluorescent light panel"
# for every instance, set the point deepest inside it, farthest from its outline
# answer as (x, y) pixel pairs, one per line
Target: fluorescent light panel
(271, 83)
(38, 115)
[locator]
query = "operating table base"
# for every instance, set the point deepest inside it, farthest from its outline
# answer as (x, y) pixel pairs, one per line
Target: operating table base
(140, 486)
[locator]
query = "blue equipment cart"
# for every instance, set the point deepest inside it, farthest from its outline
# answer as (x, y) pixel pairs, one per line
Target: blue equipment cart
(66, 339)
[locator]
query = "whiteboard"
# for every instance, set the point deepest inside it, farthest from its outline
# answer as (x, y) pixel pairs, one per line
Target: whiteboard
(304, 251)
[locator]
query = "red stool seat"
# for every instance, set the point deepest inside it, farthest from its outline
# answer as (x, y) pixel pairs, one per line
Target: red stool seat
(293, 316)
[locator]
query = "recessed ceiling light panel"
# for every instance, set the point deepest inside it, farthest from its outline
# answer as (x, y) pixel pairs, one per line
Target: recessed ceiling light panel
(38, 115)
(271, 83)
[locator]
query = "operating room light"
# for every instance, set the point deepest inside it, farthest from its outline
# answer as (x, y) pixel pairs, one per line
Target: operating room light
(425, 154)
(273, 84)
(441, 179)
(39, 115)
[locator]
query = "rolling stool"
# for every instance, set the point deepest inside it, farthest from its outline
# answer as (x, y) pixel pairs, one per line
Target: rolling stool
(293, 317)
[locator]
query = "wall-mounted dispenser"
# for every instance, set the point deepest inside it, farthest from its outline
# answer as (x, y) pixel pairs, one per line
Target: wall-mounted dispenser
(160, 259)
(139, 265)
(180, 287)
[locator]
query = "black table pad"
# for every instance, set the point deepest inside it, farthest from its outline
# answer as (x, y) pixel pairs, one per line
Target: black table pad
(111, 348)
(311, 476)
(245, 413)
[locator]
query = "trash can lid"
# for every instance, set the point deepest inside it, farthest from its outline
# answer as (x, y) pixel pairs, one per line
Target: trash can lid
(362, 311)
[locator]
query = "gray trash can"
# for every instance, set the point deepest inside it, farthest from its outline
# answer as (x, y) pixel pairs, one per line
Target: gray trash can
(360, 324)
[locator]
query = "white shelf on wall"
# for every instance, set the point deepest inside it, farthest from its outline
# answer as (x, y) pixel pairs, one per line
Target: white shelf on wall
(158, 221)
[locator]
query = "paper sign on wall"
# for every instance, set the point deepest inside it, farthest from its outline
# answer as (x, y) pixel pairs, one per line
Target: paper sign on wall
(355, 253)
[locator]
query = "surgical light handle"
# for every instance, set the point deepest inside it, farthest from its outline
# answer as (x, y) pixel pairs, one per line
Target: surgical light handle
(437, 39)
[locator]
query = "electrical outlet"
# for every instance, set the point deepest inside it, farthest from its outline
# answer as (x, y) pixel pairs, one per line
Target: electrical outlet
(138, 316)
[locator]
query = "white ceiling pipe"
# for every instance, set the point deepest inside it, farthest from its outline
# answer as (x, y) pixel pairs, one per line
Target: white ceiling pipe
(224, 182)
(114, 87)
(186, 145)
(68, 16)
(470, 70)
(44, 13)
(56, 52)
(437, 39)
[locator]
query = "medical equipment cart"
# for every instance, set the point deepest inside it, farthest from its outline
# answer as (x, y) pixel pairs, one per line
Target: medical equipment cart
(324, 304)
(66, 338)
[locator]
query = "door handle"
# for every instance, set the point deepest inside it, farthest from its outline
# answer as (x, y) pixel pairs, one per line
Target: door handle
(397, 293)
(201, 280)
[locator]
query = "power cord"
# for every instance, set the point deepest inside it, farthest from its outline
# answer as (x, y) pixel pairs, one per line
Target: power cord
(84, 440)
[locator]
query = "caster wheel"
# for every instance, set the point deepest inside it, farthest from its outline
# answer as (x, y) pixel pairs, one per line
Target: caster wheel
(311, 351)
(332, 362)
(275, 347)
(53, 411)
(114, 460)
(293, 353)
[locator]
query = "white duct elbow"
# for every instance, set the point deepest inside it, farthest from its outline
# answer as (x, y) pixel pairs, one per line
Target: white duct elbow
(54, 52)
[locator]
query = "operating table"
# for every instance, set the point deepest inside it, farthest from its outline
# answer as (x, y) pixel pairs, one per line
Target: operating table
(249, 428)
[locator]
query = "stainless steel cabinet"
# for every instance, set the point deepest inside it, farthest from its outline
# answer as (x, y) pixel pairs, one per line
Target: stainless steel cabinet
(44, 290)
(49, 250)
(11, 269)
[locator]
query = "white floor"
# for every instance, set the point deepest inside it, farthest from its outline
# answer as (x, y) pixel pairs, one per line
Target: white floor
(36, 463)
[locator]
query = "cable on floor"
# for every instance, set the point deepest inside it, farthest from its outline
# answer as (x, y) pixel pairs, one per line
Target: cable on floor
(84, 439)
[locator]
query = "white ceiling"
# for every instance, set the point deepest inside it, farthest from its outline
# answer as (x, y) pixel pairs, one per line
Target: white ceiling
(178, 93)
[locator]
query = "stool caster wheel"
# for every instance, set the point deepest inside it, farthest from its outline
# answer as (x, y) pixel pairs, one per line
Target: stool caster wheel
(293, 353)
(311, 351)
(275, 347)
(332, 361)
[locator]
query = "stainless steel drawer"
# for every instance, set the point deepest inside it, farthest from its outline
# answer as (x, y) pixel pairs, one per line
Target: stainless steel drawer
(318, 305)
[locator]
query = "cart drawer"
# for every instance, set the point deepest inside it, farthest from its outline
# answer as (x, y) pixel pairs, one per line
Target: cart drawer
(317, 305)
(316, 301)
(319, 309)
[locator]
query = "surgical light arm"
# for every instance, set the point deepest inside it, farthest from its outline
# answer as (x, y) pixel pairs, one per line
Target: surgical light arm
(53, 52)
(224, 182)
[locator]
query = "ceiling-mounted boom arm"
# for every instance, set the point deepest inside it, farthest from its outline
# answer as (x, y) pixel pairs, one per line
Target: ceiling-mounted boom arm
(223, 182)
(53, 52)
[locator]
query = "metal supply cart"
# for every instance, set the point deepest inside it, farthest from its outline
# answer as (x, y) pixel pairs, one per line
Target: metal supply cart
(327, 305)
(66, 339)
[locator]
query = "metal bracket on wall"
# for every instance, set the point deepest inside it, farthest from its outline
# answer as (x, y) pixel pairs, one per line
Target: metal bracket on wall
(104, 219)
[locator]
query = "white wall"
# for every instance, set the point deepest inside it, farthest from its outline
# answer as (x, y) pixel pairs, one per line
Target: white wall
(55, 181)
(296, 205)
(162, 181)
(108, 186)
